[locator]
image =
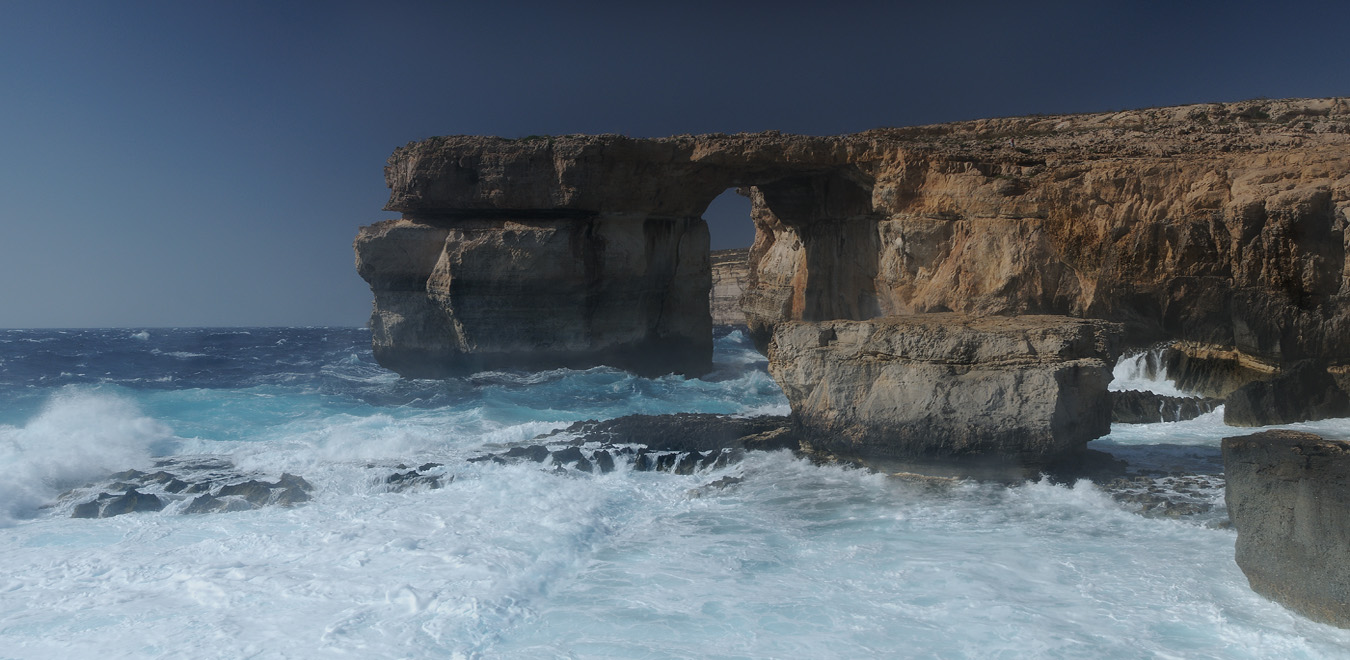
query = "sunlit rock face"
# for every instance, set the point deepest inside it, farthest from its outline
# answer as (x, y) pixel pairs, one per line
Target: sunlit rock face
(1221, 225)
(1024, 390)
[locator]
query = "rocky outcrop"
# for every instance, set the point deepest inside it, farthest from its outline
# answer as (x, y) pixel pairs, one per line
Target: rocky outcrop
(1020, 391)
(730, 271)
(684, 432)
(482, 293)
(684, 443)
(1136, 407)
(1288, 495)
(1222, 226)
(1303, 391)
(205, 484)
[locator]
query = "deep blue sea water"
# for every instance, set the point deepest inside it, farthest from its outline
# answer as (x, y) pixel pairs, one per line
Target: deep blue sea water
(514, 561)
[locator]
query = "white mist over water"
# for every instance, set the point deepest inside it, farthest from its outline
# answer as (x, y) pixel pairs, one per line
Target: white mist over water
(1144, 371)
(512, 561)
(78, 436)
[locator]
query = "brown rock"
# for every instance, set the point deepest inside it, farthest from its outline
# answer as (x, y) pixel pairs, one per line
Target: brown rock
(1221, 225)
(730, 270)
(1021, 392)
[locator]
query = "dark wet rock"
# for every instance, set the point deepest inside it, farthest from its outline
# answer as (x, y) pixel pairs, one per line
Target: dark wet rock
(1288, 496)
(427, 475)
(1174, 496)
(1303, 391)
(685, 432)
(724, 482)
(666, 462)
(536, 453)
(717, 485)
(604, 461)
(688, 463)
(257, 493)
(588, 460)
(568, 455)
(91, 509)
(107, 505)
(207, 503)
(683, 443)
(1136, 407)
(211, 484)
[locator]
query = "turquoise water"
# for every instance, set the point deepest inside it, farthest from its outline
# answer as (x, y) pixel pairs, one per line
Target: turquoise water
(512, 561)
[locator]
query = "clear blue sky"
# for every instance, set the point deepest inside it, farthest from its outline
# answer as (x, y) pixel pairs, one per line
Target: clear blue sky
(193, 163)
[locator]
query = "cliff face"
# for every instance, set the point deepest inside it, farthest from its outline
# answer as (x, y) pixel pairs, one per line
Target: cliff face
(730, 270)
(1013, 392)
(1288, 495)
(1223, 225)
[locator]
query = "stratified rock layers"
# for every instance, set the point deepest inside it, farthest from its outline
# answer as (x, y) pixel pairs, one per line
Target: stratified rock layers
(1222, 225)
(1288, 495)
(1029, 388)
(475, 294)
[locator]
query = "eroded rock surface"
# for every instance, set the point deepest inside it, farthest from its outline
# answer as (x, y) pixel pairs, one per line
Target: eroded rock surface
(1220, 225)
(1301, 392)
(1137, 407)
(683, 443)
(1020, 391)
(730, 272)
(1288, 495)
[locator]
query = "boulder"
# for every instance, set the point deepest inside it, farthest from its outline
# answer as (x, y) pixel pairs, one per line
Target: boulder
(1303, 391)
(1018, 391)
(1136, 407)
(1288, 495)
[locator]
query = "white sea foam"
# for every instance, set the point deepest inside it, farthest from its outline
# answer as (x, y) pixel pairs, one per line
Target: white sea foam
(1144, 371)
(80, 434)
(142, 335)
(514, 561)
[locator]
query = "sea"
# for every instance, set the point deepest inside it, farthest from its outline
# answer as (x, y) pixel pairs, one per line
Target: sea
(521, 560)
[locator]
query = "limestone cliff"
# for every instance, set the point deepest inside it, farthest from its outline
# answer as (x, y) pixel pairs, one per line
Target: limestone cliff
(730, 270)
(1008, 392)
(1223, 225)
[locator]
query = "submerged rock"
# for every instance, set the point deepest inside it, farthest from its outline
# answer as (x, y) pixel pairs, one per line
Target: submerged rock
(1288, 495)
(426, 475)
(683, 432)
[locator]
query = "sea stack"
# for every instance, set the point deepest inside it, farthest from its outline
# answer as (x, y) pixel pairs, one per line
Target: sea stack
(1288, 496)
(988, 392)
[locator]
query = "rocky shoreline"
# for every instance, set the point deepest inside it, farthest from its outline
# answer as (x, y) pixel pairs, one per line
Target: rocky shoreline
(950, 296)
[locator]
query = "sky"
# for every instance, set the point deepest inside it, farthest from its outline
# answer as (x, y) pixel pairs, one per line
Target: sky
(208, 163)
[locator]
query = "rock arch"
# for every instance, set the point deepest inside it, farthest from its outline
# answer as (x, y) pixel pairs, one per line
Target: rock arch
(1222, 227)
(592, 250)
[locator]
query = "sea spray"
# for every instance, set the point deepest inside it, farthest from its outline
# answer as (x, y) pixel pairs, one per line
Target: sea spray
(515, 560)
(81, 434)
